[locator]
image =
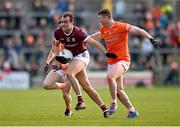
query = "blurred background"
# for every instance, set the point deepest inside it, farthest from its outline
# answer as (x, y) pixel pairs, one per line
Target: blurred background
(26, 33)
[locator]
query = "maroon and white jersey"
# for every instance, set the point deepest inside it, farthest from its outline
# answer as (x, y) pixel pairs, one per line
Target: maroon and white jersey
(74, 41)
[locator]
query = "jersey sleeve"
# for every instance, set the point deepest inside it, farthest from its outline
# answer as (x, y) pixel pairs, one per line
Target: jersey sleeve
(56, 35)
(124, 27)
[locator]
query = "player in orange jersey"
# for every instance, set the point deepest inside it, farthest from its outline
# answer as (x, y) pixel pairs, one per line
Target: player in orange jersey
(115, 35)
(55, 78)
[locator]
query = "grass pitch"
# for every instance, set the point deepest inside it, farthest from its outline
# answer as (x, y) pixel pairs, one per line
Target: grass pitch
(156, 106)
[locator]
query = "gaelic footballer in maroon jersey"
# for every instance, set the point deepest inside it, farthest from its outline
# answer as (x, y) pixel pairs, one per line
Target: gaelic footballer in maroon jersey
(74, 41)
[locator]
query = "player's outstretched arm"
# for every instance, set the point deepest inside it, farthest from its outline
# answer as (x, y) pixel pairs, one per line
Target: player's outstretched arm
(96, 36)
(97, 44)
(48, 61)
(138, 31)
(53, 52)
(50, 56)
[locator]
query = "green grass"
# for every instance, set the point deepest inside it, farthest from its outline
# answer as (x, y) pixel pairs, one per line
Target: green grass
(156, 106)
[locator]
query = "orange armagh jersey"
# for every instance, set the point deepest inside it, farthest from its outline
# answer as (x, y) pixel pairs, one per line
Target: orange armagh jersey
(116, 40)
(56, 47)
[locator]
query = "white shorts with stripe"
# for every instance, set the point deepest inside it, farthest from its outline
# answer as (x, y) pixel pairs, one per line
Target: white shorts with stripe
(84, 57)
(125, 64)
(61, 73)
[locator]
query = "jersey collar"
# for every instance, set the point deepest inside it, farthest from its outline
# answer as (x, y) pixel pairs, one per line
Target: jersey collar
(67, 34)
(112, 24)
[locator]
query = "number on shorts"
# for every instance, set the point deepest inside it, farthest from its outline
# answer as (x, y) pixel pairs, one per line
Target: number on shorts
(84, 54)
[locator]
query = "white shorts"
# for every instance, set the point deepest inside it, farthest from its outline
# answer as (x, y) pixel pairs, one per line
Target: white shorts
(125, 64)
(85, 57)
(61, 73)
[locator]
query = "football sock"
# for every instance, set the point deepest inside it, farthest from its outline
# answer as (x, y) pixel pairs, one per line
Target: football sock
(103, 107)
(114, 101)
(80, 98)
(68, 109)
(131, 109)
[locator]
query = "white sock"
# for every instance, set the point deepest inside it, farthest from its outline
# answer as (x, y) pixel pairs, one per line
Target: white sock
(114, 101)
(132, 109)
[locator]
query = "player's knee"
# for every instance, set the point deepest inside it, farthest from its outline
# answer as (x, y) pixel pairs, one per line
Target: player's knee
(46, 86)
(120, 91)
(70, 74)
(110, 76)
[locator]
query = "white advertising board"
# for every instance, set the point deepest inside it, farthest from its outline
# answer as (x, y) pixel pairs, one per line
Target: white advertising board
(15, 80)
(131, 78)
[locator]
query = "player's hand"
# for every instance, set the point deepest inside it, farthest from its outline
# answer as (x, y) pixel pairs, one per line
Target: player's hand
(154, 42)
(56, 67)
(62, 59)
(111, 55)
(46, 68)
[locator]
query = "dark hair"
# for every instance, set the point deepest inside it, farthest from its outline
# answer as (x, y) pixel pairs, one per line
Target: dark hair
(105, 12)
(68, 14)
